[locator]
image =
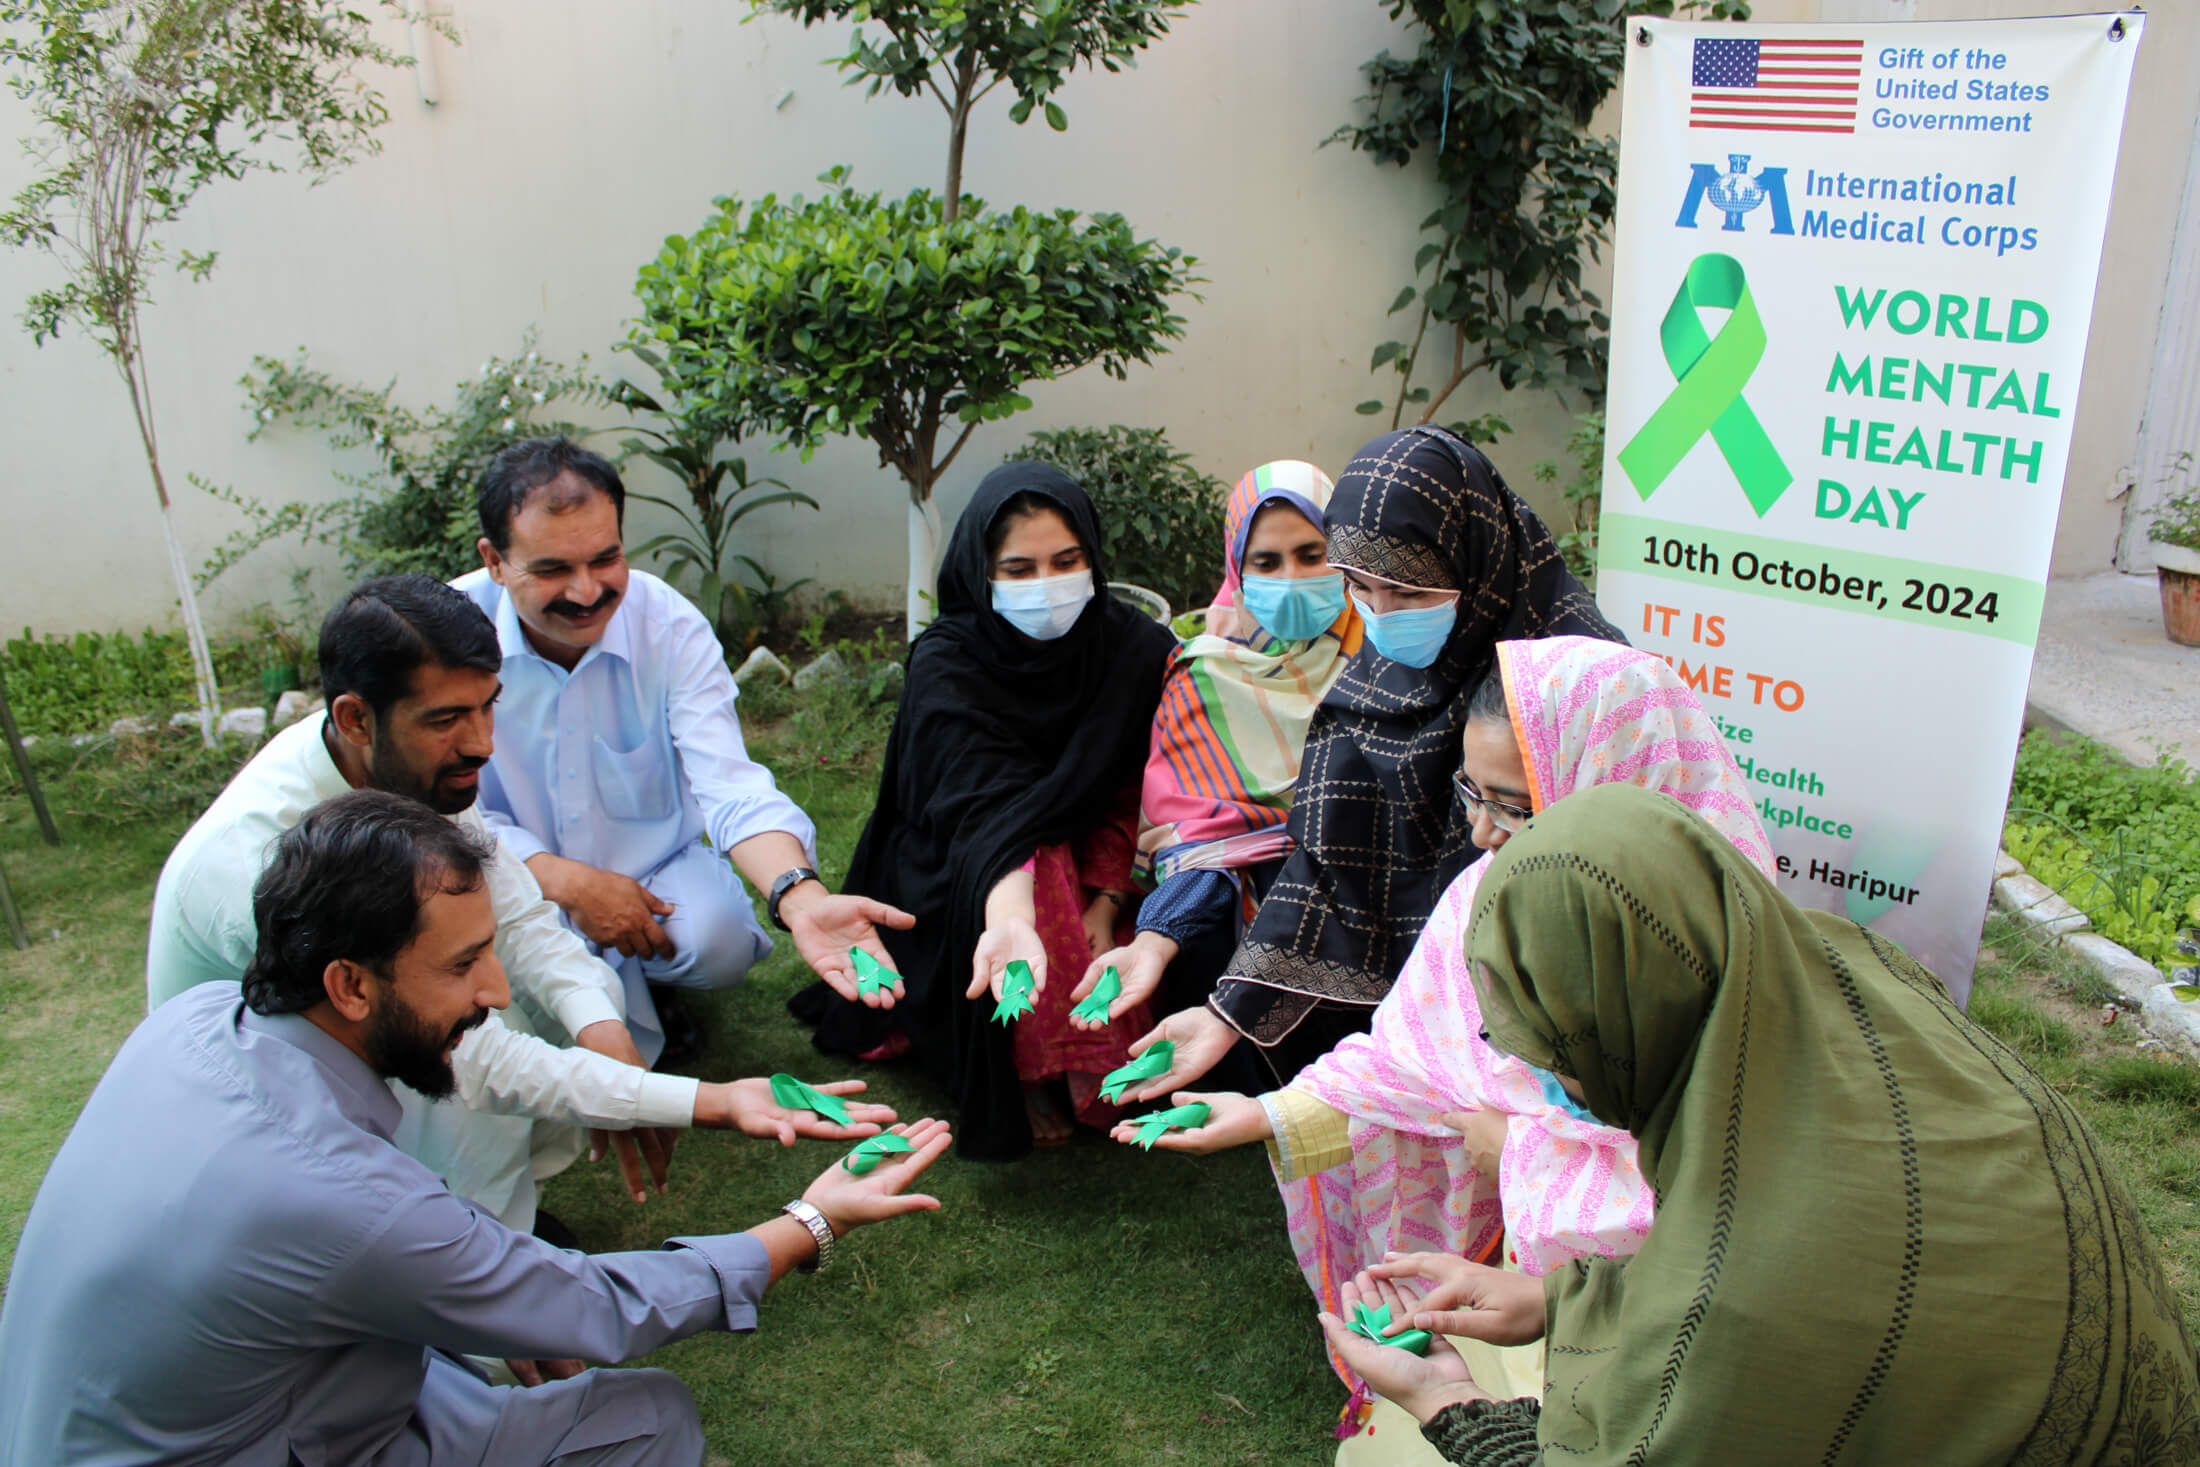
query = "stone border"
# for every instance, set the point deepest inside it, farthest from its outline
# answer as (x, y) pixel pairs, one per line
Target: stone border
(2137, 985)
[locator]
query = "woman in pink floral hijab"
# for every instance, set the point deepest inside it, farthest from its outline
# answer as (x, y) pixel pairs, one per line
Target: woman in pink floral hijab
(1365, 1156)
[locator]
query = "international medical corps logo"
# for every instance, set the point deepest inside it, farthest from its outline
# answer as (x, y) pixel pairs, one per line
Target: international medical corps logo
(1709, 373)
(1735, 192)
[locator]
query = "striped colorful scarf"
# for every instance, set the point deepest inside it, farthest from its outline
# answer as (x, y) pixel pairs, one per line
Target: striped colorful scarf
(1234, 711)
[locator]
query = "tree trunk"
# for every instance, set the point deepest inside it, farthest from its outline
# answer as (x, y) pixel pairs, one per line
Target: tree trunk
(924, 553)
(194, 630)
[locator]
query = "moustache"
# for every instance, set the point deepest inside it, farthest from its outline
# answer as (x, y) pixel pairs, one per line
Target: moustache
(466, 1026)
(563, 607)
(466, 765)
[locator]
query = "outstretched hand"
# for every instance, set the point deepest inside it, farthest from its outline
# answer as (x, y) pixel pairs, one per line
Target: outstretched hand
(1139, 965)
(747, 1106)
(1232, 1120)
(1201, 1038)
(851, 1201)
(1468, 1299)
(1420, 1384)
(825, 927)
(1008, 942)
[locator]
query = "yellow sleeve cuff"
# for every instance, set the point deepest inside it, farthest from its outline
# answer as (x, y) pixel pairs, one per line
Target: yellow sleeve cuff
(1307, 1135)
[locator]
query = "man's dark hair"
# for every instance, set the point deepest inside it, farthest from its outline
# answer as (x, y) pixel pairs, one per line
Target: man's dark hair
(380, 634)
(528, 465)
(349, 882)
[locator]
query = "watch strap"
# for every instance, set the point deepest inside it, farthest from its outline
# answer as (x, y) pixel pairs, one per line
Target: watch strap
(788, 880)
(821, 1230)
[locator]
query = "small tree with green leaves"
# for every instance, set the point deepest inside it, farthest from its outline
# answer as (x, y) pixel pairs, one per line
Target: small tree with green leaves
(894, 319)
(136, 106)
(1502, 92)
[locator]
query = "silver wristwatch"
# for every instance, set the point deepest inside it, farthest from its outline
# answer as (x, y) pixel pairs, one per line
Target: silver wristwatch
(820, 1229)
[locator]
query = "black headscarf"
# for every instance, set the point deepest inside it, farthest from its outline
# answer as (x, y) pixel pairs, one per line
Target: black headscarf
(1378, 834)
(1002, 744)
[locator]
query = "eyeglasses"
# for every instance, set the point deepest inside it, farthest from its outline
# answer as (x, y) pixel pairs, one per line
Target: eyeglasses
(1508, 818)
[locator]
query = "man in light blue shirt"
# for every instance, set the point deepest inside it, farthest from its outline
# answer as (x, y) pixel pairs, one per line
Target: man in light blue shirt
(229, 1262)
(619, 753)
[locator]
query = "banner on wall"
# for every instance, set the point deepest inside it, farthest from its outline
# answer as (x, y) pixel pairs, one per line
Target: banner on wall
(1854, 270)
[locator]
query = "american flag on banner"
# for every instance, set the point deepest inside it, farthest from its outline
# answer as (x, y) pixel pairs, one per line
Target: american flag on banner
(1776, 86)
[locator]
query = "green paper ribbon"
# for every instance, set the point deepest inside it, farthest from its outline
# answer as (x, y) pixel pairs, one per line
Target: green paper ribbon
(1155, 1061)
(1016, 986)
(795, 1095)
(1709, 373)
(1152, 1128)
(1094, 1010)
(1371, 1323)
(872, 976)
(874, 1150)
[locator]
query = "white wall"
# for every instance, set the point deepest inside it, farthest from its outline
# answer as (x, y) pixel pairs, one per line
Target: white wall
(572, 137)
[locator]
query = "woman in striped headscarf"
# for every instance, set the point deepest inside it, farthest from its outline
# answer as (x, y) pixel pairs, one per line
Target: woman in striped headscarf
(1228, 735)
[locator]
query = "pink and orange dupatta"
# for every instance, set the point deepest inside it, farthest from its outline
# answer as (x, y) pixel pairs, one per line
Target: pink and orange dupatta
(1586, 712)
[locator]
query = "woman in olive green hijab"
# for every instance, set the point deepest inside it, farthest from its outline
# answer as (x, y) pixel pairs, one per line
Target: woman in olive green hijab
(1880, 1238)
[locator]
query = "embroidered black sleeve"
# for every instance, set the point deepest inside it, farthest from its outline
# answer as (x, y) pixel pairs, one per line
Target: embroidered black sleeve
(1487, 1433)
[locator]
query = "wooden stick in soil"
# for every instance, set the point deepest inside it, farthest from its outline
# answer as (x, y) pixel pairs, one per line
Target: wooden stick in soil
(15, 918)
(30, 787)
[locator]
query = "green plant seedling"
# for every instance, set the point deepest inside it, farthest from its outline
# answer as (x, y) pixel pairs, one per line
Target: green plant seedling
(1370, 1323)
(873, 1150)
(1155, 1061)
(1094, 1010)
(795, 1095)
(1152, 1128)
(872, 976)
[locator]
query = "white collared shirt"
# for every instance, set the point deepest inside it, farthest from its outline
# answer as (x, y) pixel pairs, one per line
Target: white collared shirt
(203, 931)
(625, 761)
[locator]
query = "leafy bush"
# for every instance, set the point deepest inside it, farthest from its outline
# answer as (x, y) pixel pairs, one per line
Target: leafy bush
(1160, 518)
(1502, 94)
(2120, 842)
(162, 775)
(2176, 520)
(415, 511)
(1584, 494)
(698, 557)
(80, 684)
(882, 317)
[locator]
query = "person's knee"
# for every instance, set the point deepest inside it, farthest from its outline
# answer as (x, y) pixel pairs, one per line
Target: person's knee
(679, 1424)
(717, 944)
(622, 1399)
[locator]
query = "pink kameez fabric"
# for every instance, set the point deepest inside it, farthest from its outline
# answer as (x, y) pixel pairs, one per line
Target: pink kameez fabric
(1585, 712)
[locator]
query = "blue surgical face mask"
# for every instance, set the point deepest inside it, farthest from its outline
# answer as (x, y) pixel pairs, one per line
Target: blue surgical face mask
(1295, 608)
(1045, 606)
(1413, 636)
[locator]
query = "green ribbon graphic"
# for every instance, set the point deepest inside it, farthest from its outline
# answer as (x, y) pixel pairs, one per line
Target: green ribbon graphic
(1709, 376)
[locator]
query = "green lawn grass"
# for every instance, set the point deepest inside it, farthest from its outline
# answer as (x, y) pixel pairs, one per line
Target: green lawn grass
(1093, 1304)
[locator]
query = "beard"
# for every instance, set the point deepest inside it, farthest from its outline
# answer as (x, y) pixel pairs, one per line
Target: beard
(404, 1047)
(390, 772)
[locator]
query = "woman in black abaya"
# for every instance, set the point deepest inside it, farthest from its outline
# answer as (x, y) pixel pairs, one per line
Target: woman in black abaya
(1006, 813)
